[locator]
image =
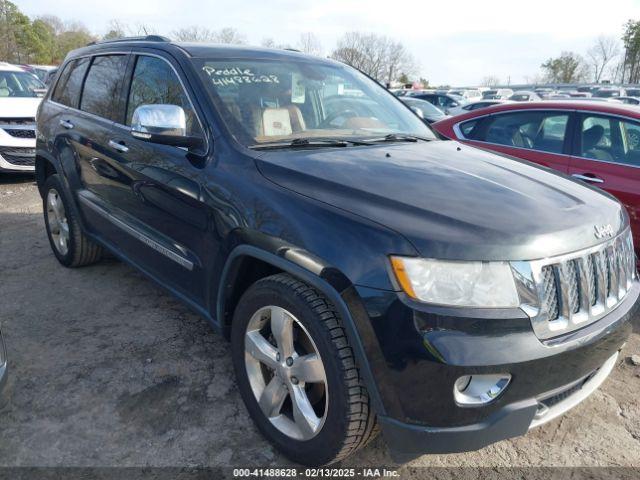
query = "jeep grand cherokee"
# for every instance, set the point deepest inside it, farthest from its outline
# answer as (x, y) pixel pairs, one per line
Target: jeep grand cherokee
(366, 273)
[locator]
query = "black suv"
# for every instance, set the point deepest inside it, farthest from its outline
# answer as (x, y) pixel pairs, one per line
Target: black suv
(365, 272)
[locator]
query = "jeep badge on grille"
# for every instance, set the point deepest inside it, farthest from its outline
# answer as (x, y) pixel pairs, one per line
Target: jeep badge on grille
(603, 231)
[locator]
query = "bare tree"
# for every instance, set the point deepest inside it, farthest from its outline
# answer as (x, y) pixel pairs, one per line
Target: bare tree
(57, 26)
(375, 55)
(310, 44)
(143, 29)
(196, 33)
(116, 29)
(271, 43)
(490, 81)
(230, 35)
(604, 51)
(398, 60)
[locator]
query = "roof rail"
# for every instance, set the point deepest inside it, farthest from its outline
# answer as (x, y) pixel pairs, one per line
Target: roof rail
(145, 38)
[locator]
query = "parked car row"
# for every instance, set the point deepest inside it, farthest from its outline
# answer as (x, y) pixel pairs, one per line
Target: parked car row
(20, 95)
(365, 271)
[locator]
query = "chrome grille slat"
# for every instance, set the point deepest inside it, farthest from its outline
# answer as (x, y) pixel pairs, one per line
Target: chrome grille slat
(612, 276)
(592, 275)
(601, 278)
(580, 288)
(549, 295)
(622, 273)
(586, 282)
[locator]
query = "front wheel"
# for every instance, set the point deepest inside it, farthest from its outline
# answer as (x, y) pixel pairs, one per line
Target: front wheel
(297, 374)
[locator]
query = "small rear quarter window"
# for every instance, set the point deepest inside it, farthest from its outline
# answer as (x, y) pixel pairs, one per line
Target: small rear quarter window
(467, 128)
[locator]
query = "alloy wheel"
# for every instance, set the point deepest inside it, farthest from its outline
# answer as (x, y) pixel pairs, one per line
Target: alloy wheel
(57, 221)
(286, 373)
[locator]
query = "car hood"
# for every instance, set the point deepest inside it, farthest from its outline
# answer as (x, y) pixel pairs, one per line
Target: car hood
(21, 107)
(452, 201)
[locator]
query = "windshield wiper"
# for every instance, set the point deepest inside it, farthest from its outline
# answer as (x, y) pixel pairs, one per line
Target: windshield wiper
(400, 137)
(309, 142)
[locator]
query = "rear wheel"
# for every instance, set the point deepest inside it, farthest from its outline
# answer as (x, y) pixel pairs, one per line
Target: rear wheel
(70, 245)
(297, 374)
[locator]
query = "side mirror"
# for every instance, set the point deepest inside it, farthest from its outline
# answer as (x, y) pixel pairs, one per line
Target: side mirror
(417, 111)
(454, 104)
(164, 124)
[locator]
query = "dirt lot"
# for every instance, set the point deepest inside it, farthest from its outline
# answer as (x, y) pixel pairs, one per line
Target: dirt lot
(107, 369)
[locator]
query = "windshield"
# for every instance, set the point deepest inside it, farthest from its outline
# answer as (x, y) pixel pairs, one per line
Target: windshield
(19, 84)
(427, 108)
(606, 93)
(267, 101)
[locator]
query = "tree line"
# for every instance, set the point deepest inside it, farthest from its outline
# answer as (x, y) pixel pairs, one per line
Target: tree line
(47, 40)
(609, 59)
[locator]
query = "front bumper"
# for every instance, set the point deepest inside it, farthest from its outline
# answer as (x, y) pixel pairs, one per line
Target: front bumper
(424, 351)
(27, 163)
(409, 441)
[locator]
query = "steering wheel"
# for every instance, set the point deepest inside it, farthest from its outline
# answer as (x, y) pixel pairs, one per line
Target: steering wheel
(343, 113)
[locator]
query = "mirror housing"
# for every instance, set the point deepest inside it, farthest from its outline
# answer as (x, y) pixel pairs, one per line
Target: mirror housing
(163, 124)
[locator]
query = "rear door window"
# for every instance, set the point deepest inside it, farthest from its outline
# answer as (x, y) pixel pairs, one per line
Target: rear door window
(610, 139)
(101, 92)
(67, 90)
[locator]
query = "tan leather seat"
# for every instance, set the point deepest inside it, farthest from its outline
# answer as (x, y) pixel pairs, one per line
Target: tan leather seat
(282, 121)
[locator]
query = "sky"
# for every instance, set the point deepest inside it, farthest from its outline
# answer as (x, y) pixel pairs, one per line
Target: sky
(456, 43)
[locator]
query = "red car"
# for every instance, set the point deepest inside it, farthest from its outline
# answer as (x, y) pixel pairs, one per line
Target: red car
(597, 142)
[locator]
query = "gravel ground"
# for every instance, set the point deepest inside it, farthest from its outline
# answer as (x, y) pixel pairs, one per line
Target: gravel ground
(107, 369)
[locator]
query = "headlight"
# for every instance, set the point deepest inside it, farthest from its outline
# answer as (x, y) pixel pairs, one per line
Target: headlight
(461, 284)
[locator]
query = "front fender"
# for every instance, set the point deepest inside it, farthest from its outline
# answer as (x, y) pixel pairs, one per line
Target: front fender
(336, 287)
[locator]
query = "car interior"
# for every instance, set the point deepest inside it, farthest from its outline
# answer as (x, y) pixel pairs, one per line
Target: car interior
(267, 117)
(535, 131)
(610, 140)
(18, 84)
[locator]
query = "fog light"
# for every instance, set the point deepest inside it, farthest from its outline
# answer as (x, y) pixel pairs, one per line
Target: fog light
(475, 390)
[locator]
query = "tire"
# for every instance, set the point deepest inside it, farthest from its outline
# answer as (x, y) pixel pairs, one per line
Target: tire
(342, 419)
(70, 245)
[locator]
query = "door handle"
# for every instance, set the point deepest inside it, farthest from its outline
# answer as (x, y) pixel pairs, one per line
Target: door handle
(120, 147)
(588, 178)
(66, 124)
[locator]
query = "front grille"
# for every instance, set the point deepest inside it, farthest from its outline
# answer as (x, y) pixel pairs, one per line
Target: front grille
(580, 288)
(21, 132)
(19, 156)
(19, 127)
(28, 121)
(545, 403)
